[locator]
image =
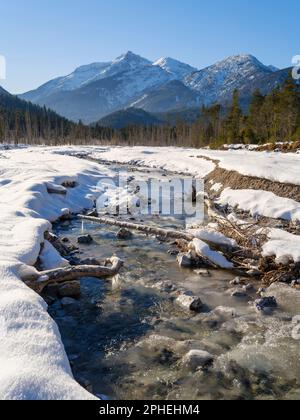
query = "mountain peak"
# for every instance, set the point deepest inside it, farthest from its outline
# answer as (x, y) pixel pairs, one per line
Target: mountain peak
(242, 60)
(130, 57)
(174, 67)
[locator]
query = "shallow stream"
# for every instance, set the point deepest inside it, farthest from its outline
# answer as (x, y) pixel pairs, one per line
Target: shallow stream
(127, 338)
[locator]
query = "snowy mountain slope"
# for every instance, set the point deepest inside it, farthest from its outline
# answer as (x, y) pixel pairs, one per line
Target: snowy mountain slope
(176, 68)
(99, 89)
(219, 81)
(87, 74)
(171, 96)
(75, 80)
(102, 97)
(3, 91)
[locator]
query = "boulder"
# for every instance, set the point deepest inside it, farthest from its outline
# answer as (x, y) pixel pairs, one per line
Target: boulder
(196, 359)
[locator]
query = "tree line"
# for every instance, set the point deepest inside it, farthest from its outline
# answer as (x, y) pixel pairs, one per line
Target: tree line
(26, 123)
(270, 118)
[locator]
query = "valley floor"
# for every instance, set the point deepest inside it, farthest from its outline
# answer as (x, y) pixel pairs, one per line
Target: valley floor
(33, 361)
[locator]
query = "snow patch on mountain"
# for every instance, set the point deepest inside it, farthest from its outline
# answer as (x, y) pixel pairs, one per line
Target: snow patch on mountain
(174, 67)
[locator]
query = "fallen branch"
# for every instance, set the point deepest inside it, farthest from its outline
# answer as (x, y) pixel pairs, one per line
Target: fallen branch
(38, 281)
(150, 230)
(234, 254)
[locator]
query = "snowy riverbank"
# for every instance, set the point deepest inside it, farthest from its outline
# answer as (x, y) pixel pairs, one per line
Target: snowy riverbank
(32, 358)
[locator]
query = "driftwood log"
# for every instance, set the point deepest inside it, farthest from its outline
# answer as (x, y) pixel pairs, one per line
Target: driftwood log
(235, 254)
(38, 281)
(154, 231)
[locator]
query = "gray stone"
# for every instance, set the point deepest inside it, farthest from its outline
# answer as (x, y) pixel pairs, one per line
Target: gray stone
(266, 304)
(196, 359)
(238, 293)
(189, 302)
(92, 213)
(235, 282)
(248, 288)
(70, 289)
(124, 234)
(202, 273)
(184, 261)
(85, 239)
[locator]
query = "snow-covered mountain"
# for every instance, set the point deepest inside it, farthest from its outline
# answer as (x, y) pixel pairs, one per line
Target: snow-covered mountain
(99, 89)
(176, 68)
(3, 91)
(219, 80)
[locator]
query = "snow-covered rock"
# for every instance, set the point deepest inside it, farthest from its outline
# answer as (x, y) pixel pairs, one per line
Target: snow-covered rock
(196, 359)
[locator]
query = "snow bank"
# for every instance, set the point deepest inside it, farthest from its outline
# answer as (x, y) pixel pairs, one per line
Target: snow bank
(283, 245)
(33, 361)
(262, 203)
(50, 258)
(279, 167)
(202, 249)
(169, 158)
(211, 235)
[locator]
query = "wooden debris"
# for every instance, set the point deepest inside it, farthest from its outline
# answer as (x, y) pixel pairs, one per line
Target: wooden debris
(39, 280)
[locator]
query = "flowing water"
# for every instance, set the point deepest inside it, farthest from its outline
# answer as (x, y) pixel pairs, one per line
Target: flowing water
(126, 337)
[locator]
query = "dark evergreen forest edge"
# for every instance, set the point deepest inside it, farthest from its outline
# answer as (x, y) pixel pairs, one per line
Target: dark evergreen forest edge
(271, 118)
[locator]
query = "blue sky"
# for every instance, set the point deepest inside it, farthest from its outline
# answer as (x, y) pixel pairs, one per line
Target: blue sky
(42, 39)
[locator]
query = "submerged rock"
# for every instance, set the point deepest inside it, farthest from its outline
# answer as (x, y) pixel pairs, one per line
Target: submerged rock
(71, 290)
(69, 303)
(238, 293)
(85, 239)
(124, 234)
(202, 273)
(195, 359)
(225, 312)
(185, 261)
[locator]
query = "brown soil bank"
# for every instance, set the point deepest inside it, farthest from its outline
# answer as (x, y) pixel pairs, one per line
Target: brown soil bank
(282, 147)
(236, 181)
